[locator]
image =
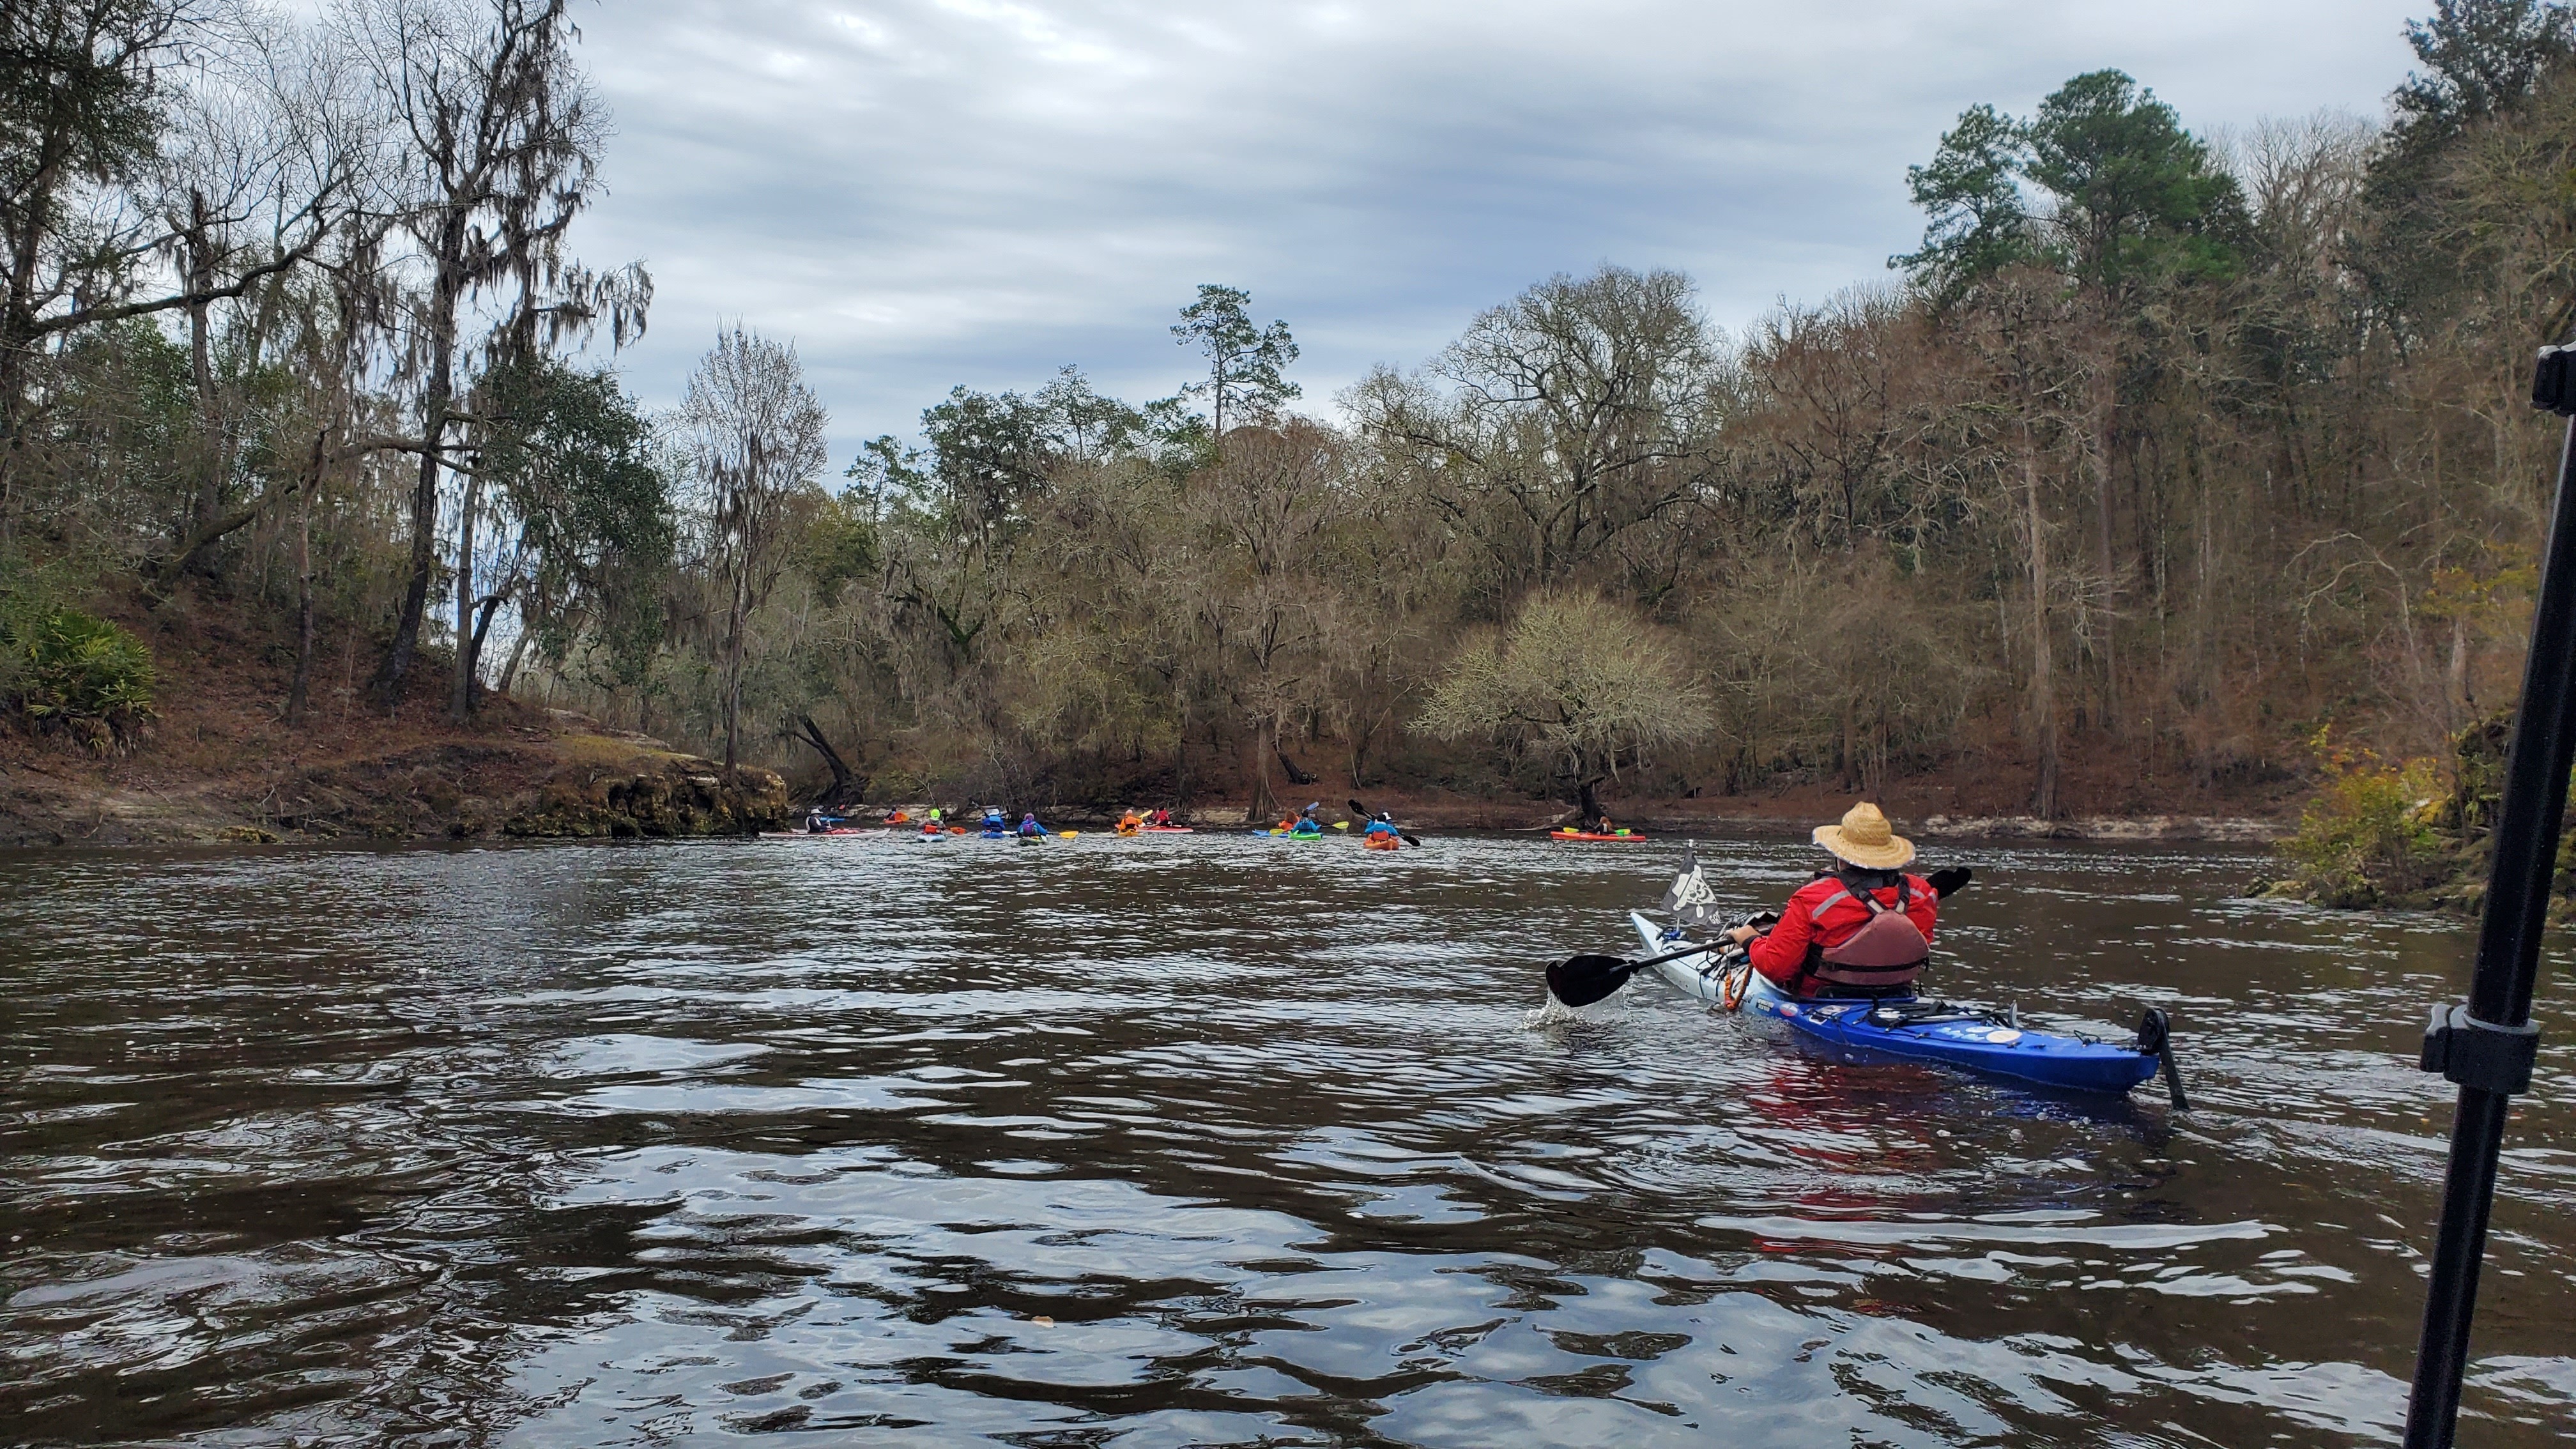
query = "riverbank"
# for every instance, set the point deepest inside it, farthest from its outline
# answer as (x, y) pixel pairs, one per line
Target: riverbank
(520, 775)
(219, 762)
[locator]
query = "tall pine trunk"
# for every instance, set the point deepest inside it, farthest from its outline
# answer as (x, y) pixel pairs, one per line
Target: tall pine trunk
(518, 653)
(436, 400)
(201, 374)
(2104, 403)
(299, 693)
(2043, 677)
(460, 694)
(1265, 802)
(736, 620)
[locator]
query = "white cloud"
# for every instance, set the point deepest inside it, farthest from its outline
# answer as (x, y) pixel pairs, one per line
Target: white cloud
(926, 192)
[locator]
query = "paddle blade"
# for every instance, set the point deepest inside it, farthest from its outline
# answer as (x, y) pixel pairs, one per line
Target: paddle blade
(1068, 834)
(1943, 882)
(1409, 837)
(1583, 980)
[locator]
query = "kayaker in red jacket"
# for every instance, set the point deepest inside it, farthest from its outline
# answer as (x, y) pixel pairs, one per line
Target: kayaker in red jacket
(1863, 930)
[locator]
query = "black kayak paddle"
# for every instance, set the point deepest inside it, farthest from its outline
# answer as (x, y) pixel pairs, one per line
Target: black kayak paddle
(1583, 980)
(1362, 811)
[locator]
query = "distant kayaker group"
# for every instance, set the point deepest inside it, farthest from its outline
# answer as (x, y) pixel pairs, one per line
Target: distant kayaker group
(1378, 830)
(1838, 961)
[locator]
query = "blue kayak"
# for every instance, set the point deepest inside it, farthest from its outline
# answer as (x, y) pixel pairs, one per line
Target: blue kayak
(1906, 1027)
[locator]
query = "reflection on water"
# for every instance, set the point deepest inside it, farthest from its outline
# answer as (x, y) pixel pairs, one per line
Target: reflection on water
(1201, 1142)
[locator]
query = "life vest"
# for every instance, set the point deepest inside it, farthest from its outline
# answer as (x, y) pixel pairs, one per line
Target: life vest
(1884, 955)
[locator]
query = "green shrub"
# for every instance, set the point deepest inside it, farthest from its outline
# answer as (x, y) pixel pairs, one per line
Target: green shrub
(2370, 832)
(75, 669)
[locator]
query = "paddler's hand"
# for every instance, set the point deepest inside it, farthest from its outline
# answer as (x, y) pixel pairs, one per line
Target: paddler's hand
(1742, 934)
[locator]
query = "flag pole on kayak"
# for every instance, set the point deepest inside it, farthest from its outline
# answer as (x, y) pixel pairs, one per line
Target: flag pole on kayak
(2487, 1044)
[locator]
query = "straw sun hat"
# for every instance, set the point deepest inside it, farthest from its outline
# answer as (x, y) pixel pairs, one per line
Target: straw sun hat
(1865, 839)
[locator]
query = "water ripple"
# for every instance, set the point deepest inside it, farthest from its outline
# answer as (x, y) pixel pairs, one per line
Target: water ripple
(1208, 1142)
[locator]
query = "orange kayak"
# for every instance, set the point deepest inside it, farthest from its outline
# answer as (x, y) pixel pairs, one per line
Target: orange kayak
(1591, 835)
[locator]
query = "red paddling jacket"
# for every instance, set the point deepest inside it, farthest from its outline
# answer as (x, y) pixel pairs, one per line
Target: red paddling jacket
(1825, 914)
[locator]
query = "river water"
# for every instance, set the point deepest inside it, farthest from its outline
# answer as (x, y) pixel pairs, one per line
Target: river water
(1203, 1141)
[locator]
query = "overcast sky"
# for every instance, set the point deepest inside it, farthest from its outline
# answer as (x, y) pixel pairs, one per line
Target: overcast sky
(921, 193)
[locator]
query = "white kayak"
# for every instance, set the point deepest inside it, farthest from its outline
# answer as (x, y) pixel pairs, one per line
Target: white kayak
(1702, 975)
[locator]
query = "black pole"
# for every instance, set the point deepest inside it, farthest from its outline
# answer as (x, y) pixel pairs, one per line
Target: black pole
(2487, 1045)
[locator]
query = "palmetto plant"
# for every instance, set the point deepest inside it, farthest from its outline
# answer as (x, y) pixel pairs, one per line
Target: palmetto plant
(84, 672)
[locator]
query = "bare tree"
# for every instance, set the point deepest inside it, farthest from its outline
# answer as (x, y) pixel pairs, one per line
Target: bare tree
(501, 154)
(1834, 395)
(1261, 591)
(2021, 408)
(1560, 421)
(108, 103)
(265, 156)
(755, 438)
